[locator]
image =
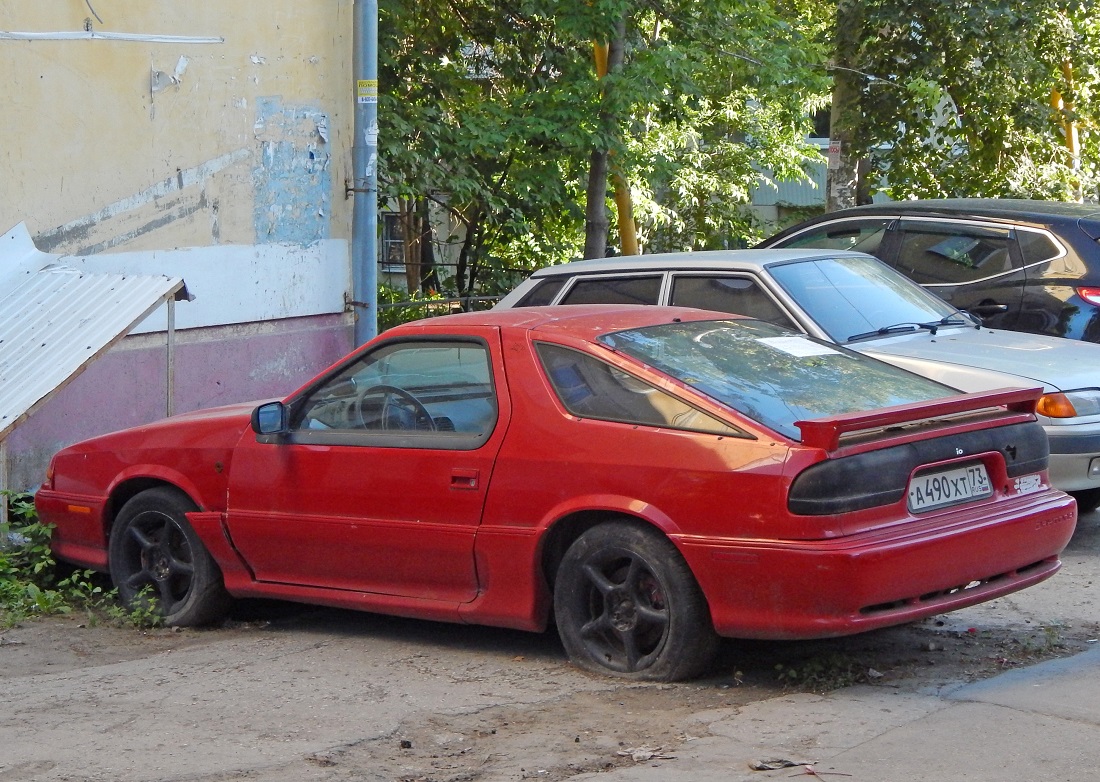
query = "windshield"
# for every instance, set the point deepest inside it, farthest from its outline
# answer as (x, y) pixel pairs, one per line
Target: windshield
(770, 374)
(850, 296)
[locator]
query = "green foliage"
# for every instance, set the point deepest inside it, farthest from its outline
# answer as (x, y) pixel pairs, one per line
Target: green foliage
(404, 307)
(957, 97)
(493, 114)
(30, 584)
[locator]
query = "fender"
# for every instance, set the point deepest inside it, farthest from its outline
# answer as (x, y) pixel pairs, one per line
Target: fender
(170, 475)
(611, 503)
(512, 589)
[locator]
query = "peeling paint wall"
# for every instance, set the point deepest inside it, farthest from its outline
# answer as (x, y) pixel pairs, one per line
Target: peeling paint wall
(144, 144)
(209, 138)
(293, 180)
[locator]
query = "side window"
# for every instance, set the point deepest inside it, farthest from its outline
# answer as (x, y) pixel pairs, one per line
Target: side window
(590, 388)
(861, 235)
(1037, 246)
(543, 293)
(615, 290)
(428, 390)
(739, 295)
(931, 253)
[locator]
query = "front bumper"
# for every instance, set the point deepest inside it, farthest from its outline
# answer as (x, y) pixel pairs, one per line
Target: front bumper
(1074, 456)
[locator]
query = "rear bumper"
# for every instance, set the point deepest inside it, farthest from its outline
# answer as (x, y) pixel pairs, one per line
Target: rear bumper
(825, 588)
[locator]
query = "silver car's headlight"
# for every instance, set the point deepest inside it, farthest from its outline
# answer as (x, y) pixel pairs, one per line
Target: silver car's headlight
(1070, 404)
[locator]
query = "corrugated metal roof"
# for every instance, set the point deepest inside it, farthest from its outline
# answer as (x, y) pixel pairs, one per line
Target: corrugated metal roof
(802, 192)
(57, 319)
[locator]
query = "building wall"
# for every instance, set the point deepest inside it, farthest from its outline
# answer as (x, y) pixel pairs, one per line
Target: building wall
(206, 140)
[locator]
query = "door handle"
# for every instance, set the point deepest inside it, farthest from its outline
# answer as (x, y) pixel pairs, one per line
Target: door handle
(988, 308)
(464, 479)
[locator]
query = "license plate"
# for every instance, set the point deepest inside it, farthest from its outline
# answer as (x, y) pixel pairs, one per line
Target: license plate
(947, 487)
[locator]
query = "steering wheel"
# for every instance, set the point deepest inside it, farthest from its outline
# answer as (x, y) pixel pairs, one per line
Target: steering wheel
(398, 409)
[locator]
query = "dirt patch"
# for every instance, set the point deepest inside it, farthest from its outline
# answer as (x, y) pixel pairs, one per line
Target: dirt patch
(290, 693)
(576, 724)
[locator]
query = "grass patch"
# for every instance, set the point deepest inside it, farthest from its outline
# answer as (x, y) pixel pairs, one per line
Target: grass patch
(33, 584)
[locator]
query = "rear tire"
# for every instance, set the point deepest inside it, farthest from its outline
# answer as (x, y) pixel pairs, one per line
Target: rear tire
(627, 604)
(154, 552)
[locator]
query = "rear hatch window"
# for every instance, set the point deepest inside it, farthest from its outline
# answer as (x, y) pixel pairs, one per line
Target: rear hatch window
(770, 374)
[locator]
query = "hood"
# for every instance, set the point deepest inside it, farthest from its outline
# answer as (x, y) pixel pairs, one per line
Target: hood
(982, 359)
(215, 427)
(224, 413)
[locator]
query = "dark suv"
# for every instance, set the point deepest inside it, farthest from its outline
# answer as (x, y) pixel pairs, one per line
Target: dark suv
(1020, 265)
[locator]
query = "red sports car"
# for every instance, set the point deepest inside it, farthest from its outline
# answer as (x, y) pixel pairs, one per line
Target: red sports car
(650, 478)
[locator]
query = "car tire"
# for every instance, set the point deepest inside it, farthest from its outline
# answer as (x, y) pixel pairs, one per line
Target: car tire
(154, 551)
(1088, 500)
(626, 603)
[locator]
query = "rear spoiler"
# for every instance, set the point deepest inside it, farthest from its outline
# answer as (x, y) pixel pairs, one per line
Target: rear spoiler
(826, 432)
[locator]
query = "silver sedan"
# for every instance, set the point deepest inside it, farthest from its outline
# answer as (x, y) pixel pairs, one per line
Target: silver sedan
(854, 300)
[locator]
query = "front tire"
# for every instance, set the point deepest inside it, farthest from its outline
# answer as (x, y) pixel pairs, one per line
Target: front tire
(627, 604)
(154, 552)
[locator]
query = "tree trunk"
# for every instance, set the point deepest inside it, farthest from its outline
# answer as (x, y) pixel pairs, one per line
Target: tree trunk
(596, 223)
(411, 233)
(429, 277)
(842, 188)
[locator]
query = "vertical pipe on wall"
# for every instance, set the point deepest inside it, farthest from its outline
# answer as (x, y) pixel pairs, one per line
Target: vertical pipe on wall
(3, 480)
(364, 233)
(170, 381)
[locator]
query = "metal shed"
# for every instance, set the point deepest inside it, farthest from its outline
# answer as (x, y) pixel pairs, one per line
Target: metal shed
(56, 319)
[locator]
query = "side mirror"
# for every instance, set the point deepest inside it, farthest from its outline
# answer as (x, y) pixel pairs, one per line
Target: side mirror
(269, 418)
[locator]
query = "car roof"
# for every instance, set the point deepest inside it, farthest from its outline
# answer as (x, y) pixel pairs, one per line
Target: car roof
(584, 321)
(1015, 209)
(703, 260)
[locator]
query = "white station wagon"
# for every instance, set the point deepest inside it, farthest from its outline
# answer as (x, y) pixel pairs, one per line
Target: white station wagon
(855, 300)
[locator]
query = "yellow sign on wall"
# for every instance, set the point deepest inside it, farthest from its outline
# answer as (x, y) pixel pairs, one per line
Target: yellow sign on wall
(367, 90)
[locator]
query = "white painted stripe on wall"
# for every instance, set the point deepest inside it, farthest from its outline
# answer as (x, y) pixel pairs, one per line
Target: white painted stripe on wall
(239, 283)
(183, 179)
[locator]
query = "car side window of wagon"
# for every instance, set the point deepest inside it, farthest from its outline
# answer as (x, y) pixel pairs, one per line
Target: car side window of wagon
(544, 292)
(863, 235)
(424, 393)
(590, 388)
(635, 289)
(1038, 246)
(737, 295)
(944, 252)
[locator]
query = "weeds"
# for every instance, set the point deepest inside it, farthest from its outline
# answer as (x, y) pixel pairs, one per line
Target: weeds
(823, 674)
(32, 584)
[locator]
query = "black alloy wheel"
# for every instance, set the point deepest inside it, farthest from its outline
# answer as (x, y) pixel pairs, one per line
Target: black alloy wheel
(158, 563)
(626, 603)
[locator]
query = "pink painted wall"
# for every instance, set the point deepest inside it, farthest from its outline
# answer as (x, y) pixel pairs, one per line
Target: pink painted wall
(213, 366)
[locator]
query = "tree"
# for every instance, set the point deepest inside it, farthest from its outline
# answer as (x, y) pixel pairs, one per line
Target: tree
(479, 114)
(492, 113)
(845, 120)
(709, 101)
(956, 96)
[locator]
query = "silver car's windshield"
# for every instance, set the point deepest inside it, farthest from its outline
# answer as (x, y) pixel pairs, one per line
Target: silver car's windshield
(770, 374)
(853, 298)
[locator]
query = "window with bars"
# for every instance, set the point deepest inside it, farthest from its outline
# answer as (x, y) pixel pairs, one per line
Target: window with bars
(393, 243)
